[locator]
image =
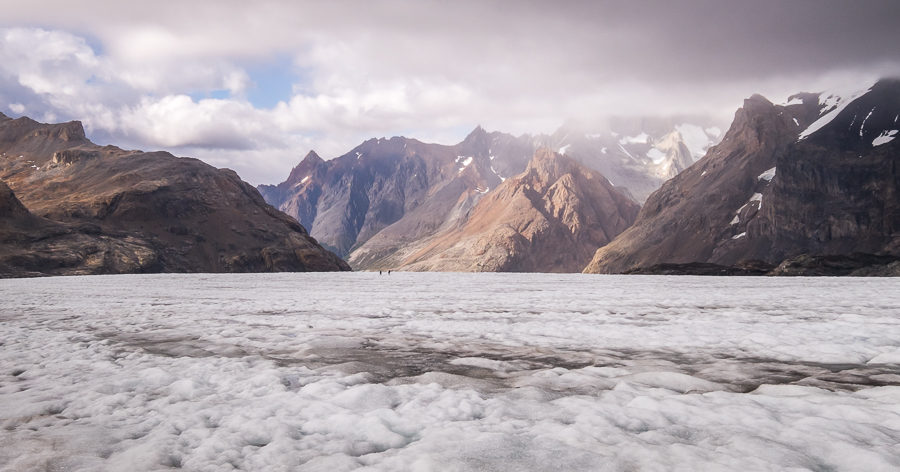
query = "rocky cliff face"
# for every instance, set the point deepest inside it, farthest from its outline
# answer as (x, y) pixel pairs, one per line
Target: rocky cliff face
(815, 175)
(551, 218)
(399, 187)
(115, 211)
(388, 194)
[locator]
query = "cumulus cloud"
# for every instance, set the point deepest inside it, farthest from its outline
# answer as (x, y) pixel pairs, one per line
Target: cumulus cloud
(177, 74)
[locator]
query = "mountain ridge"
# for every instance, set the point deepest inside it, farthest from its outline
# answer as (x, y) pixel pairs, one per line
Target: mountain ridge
(769, 192)
(100, 209)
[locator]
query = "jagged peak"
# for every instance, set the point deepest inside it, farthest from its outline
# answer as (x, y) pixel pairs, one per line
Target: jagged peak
(756, 100)
(3, 117)
(311, 157)
(73, 130)
(549, 165)
(544, 153)
(477, 133)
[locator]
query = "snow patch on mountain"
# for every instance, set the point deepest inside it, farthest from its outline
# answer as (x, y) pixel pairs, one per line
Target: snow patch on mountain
(885, 137)
(757, 197)
(863, 125)
(639, 139)
(697, 139)
(767, 175)
(502, 179)
(831, 104)
(656, 155)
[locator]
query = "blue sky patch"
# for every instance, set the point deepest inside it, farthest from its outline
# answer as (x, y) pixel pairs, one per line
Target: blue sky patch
(273, 82)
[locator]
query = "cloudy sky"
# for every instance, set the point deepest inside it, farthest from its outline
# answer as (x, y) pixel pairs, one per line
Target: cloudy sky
(255, 85)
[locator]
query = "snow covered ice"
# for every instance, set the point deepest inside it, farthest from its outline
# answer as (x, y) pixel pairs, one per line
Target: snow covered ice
(449, 372)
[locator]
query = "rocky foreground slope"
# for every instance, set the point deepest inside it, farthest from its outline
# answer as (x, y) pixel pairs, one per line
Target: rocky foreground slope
(72, 207)
(817, 175)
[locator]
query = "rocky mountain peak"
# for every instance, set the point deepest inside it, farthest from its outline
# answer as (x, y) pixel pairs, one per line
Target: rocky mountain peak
(754, 106)
(548, 166)
(89, 209)
(478, 138)
(26, 136)
(816, 175)
(311, 156)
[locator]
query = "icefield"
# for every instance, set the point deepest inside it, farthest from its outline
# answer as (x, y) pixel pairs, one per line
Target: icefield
(449, 372)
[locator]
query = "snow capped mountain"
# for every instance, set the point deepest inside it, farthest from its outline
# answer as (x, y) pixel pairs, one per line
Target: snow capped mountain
(637, 154)
(814, 175)
(387, 195)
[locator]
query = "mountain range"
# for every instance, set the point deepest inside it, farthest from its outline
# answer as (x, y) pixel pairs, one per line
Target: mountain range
(809, 186)
(394, 203)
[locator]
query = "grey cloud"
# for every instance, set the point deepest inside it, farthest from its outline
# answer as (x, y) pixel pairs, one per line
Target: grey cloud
(376, 67)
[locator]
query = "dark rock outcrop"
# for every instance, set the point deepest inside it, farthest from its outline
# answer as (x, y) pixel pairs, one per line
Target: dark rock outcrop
(92, 209)
(744, 268)
(856, 264)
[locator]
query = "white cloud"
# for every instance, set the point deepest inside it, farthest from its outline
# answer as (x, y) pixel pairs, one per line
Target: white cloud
(137, 74)
(17, 108)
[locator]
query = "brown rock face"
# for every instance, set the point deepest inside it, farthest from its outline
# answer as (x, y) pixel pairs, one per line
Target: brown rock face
(551, 218)
(115, 211)
(395, 190)
(769, 191)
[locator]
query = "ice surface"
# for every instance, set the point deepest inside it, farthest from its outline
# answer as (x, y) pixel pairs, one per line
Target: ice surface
(565, 148)
(357, 371)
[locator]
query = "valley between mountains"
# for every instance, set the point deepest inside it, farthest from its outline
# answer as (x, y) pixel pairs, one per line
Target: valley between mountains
(805, 187)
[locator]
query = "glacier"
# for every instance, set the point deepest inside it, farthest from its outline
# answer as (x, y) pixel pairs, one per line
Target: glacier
(451, 372)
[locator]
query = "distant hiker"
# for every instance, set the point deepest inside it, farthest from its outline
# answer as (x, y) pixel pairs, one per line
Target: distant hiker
(379, 272)
(389, 272)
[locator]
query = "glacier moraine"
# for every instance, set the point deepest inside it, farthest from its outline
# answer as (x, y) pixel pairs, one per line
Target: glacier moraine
(449, 372)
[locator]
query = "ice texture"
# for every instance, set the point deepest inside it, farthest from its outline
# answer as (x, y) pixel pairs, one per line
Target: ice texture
(450, 372)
